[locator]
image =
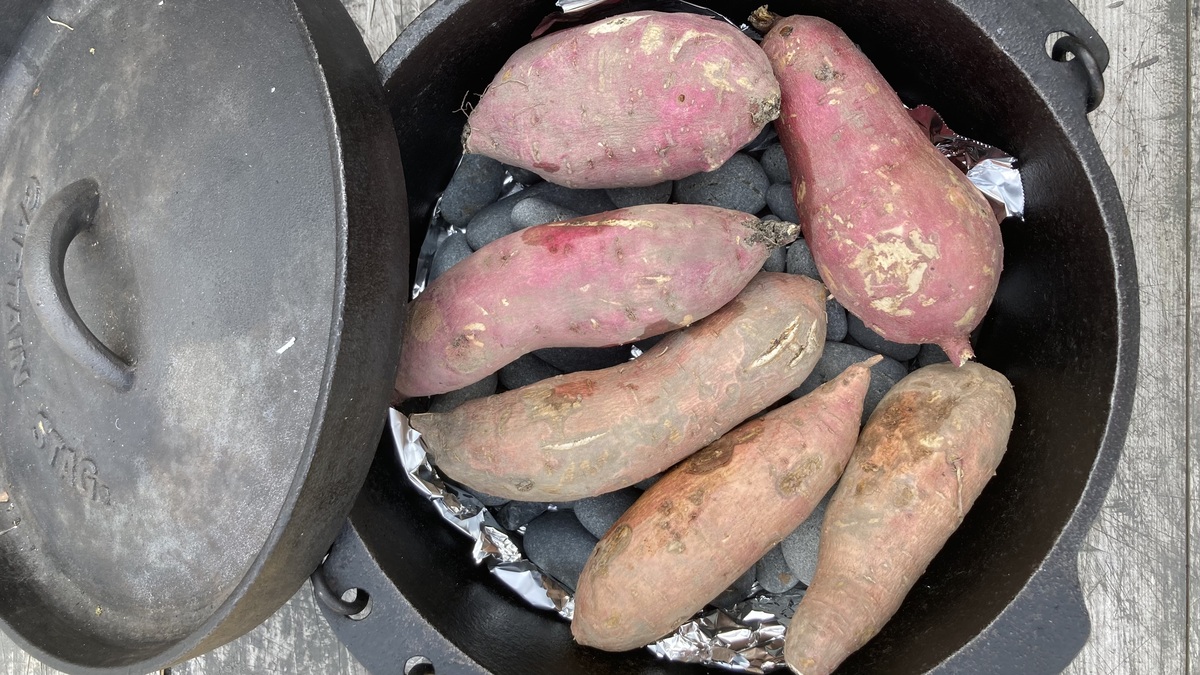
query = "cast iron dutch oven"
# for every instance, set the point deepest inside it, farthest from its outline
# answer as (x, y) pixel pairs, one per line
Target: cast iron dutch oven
(196, 386)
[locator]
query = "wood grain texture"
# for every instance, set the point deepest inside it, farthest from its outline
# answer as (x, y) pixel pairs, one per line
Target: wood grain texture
(1193, 344)
(1134, 566)
(380, 21)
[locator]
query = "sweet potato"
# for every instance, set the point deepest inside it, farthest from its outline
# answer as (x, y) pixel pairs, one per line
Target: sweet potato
(900, 236)
(925, 455)
(594, 281)
(630, 101)
(715, 515)
(592, 432)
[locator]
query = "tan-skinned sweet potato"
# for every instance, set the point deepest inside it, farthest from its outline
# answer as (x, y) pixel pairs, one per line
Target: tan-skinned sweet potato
(700, 527)
(595, 281)
(901, 237)
(923, 458)
(629, 101)
(588, 433)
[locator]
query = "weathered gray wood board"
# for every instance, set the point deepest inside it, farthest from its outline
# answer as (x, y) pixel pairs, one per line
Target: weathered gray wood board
(1134, 564)
(1134, 567)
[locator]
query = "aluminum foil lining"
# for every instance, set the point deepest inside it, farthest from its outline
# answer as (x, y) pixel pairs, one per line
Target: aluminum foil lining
(990, 169)
(749, 636)
(493, 544)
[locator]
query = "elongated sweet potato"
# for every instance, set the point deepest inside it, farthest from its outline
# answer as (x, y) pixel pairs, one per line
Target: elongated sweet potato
(630, 101)
(711, 518)
(592, 432)
(925, 455)
(594, 281)
(900, 235)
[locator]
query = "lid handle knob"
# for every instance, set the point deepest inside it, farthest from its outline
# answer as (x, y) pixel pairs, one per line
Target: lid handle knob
(61, 218)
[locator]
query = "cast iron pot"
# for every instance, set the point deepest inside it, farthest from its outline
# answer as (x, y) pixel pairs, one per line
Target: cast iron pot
(1003, 596)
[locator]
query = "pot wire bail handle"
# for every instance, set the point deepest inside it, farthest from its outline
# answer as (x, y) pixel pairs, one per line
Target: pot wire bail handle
(332, 600)
(1071, 45)
(70, 211)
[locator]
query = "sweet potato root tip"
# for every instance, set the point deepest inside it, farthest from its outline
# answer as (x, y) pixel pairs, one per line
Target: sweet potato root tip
(763, 19)
(766, 110)
(774, 233)
(958, 349)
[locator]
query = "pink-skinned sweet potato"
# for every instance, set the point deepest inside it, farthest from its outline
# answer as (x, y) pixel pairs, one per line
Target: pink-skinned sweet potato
(700, 527)
(592, 432)
(594, 281)
(901, 237)
(923, 458)
(629, 101)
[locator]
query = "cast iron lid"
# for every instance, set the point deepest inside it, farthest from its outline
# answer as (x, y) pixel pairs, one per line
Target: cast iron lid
(203, 259)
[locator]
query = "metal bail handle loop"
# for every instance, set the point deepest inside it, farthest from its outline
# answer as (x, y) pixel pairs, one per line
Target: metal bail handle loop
(66, 214)
(332, 600)
(1069, 44)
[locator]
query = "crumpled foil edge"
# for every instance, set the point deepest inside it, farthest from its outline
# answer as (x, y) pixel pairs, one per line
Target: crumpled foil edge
(493, 545)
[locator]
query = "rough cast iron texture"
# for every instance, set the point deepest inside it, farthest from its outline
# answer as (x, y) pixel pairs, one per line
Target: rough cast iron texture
(1003, 596)
(192, 390)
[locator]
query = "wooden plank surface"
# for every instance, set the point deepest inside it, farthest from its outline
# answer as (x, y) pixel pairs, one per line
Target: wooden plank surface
(1134, 566)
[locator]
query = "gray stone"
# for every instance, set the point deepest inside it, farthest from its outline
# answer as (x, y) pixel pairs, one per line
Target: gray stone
(523, 176)
(777, 261)
(836, 322)
(837, 357)
(573, 359)
(453, 250)
(451, 400)
(737, 592)
(525, 371)
(533, 211)
(773, 572)
(492, 222)
(765, 138)
(929, 355)
(515, 514)
(645, 484)
(488, 500)
(739, 184)
(800, 260)
(869, 339)
(637, 196)
(779, 200)
(475, 184)
(597, 514)
(774, 162)
(583, 202)
(557, 543)
(800, 547)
